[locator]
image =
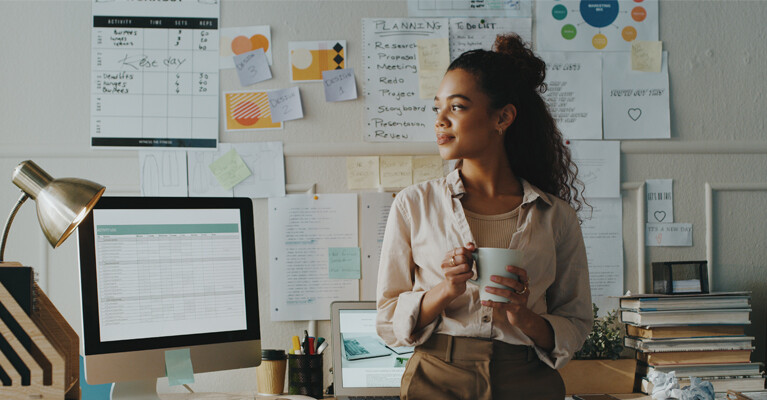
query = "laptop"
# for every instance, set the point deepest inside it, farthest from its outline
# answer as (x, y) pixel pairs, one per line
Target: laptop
(363, 366)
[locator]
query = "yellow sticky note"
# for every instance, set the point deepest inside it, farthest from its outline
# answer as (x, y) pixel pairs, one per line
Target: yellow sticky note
(433, 60)
(396, 171)
(426, 168)
(229, 170)
(362, 172)
(646, 55)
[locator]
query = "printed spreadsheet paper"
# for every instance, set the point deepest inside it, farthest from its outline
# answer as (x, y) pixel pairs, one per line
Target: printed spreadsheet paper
(154, 74)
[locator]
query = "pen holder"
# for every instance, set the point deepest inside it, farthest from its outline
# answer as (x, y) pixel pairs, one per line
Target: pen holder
(305, 375)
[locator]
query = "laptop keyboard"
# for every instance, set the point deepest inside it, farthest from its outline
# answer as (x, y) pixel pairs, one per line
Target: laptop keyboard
(354, 348)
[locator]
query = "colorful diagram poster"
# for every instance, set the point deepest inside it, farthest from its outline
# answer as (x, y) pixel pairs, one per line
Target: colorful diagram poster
(309, 59)
(594, 25)
(394, 112)
(244, 39)
(248, 111)
(154, 80)
(635, 104)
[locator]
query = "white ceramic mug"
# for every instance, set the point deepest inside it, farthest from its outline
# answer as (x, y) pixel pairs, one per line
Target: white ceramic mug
(491, 261)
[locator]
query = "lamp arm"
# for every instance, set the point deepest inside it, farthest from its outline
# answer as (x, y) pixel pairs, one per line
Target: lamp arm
(15, 210)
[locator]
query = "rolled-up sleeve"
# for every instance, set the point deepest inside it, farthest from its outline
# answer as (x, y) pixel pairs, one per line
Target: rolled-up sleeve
(568, 299)
(398, 305)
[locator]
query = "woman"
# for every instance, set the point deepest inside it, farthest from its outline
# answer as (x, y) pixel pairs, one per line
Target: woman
(512, 188)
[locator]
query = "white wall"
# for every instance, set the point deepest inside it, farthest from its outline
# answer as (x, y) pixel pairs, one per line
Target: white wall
(717, 64)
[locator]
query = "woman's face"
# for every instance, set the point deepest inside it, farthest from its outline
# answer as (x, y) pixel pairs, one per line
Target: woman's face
(466, 125)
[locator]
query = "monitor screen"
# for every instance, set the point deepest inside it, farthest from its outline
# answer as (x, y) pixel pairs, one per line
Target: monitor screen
(163, 273)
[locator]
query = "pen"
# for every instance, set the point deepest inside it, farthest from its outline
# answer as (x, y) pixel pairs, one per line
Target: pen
(322, 347)
(311, 345)
(305, 344)
(318, 342)
(296, 344)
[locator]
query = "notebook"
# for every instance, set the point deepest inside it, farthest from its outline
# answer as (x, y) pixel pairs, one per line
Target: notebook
(363, 366)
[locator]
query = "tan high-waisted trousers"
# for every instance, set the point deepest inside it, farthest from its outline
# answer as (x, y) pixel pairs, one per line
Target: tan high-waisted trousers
(447, 367)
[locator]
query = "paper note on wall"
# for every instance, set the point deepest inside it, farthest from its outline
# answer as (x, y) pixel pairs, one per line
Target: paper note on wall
(373, 216)
(309, 59)
(285, 104)
(163, 173)
(599, 166)
(676, 235)
(264, 159)
(344, 262)
(574, 95)
(339, 84)
(396, 171)
(238, 40)
(252, 67)
(248, 111)
(433, 60)
(480, 33)
(229, 169)
(393, 109)
(362, 172)
(471, 8)
(646, 55)
(660, 200)
(426, 168)
(603, 236)
(635, 105)
(301, 229)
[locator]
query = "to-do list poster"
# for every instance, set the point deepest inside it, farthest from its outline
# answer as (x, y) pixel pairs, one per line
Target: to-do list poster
(394, 112)
(154, 76)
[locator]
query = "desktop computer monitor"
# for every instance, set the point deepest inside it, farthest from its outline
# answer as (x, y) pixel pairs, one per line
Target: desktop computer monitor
(162, 273)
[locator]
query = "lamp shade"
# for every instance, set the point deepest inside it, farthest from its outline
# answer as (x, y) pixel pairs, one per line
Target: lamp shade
(61, 203)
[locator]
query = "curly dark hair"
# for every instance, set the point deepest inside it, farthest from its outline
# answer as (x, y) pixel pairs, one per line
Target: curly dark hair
(513, 74)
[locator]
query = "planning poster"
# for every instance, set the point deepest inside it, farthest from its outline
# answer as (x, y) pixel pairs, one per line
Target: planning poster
(154, 80)
(394, 111)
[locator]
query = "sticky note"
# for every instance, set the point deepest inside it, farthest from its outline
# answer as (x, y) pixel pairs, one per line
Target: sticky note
(396, 171)
(229, 170)
(676, 234)
(285, 104)
(252, 67)
(660, 200)
(426, 168)
(433, 60)
(178, 367)
(339, 84)
(362, 172)
(344, 262)
(646, 55)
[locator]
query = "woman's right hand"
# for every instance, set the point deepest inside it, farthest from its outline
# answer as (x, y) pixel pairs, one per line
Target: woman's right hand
(457, 269)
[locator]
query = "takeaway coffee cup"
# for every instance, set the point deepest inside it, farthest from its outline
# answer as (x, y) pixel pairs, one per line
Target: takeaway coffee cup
(491, 261)
(270, 375)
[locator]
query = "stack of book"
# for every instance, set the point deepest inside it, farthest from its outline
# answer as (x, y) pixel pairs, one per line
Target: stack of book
(701, 335)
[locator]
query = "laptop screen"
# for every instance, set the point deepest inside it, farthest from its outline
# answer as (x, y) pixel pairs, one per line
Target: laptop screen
(366, 362)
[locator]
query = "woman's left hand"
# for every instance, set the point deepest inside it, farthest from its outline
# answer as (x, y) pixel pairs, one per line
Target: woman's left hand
(516, 309)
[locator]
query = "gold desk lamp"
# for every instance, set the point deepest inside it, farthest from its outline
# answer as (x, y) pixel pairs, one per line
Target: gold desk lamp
(52, 354)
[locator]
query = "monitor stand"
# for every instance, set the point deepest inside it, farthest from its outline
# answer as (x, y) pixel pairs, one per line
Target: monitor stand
(135, 390)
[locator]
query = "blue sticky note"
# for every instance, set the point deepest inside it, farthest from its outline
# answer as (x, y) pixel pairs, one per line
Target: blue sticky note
(93, 392)
(344, 262)
(178, 367)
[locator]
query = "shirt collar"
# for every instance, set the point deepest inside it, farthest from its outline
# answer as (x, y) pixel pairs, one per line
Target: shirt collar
(531, 192)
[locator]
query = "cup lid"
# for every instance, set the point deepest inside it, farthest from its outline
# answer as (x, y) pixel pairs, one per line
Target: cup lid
(272, 354)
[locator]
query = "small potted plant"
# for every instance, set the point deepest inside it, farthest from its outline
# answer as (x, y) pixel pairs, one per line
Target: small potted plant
(597, 366)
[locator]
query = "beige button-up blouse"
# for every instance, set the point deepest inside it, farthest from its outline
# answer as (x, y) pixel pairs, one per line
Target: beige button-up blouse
(427, 220)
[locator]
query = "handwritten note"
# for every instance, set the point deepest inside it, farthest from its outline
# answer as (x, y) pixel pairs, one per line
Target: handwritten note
(426, 168)
(433, 60)
(339, 84)
(178, 367)
(646, 55)
(229, 170)
(362, 172)
(393, 109)
(252, 67)
(285, 104)
(396, 171)
(635, 104)
(344, 262)
(677, 235)
(480, 33)
(660, 200)
(573, 79)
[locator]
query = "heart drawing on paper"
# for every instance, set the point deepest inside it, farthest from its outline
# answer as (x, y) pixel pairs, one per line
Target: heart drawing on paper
(659, 215)
(635, 113)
